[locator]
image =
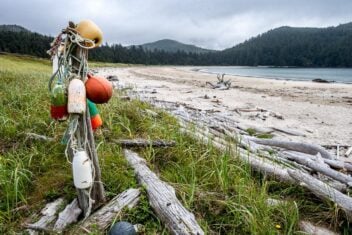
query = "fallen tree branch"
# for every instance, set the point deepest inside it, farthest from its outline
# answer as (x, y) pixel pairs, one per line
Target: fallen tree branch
(319, 167)
(48, 216)
(35, 136)
(102, 218)
(295, 146)
(324, 191)
(68, 216)
(312, 229)
(144, 143)
(162, 199)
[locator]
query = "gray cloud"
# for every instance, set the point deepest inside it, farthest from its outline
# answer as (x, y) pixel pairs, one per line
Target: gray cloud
(208, 23)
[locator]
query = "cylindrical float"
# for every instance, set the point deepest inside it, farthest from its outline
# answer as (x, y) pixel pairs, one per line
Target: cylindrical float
(82, 170)
(95, 118)
(58, 100)
(76, 97)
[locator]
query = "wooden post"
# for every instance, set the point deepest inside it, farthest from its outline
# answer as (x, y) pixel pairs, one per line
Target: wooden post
(96, 193)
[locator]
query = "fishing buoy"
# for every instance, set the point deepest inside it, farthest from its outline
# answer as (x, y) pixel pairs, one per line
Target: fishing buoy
(76, 97)
(122, 228)
(88, 29)
(82, 170)
(95, 118)
(58, 108)
(99, 89)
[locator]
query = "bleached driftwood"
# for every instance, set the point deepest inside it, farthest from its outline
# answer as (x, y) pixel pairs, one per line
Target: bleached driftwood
(312, 229)
(324, 191)
(277, 169)
(162, 199)
(319, 167)
(295, 146)
(39, 137)
(348, 152)
(258, 164)
(102, 218)
(48, 216)
(68, 216)
(221, 84)
(288, 131)
(144, 143)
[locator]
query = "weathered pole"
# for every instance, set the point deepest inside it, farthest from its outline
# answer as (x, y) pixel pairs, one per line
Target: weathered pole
(96, 193)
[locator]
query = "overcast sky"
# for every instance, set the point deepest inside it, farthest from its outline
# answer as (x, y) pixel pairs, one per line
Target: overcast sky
(215, 24)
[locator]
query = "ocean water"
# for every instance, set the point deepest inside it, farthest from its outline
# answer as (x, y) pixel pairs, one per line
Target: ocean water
(340, 75)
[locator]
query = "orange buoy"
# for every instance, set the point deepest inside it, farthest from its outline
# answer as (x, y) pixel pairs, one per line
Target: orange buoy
(88, 29)
(96, 122)
(99, 89)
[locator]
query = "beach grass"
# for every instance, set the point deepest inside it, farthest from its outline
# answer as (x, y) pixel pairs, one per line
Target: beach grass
(225, 195)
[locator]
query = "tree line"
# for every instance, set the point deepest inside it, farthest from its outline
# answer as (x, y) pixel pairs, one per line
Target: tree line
(284, 46)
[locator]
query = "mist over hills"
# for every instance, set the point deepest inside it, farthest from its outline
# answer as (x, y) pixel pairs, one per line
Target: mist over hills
(283, 46)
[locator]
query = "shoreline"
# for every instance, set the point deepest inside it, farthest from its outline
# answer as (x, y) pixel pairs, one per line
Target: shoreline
(320, 111)
(203, 70)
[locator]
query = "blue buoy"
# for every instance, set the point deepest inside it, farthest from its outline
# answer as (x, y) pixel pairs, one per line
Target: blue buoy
(122, 228)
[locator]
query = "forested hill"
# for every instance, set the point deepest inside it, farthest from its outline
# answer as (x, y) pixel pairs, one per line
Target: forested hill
(288, 46)
(173, 46)
(284, 46)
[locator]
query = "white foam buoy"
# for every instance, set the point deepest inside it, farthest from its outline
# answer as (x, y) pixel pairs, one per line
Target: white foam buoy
(82, 170)
(76, 97)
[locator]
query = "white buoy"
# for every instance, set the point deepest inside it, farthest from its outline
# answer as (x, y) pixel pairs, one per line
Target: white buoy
(82, 170)
(76, 97)
(55, 63)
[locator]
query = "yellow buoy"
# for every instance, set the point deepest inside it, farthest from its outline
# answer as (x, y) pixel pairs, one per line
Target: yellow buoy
(88, 29)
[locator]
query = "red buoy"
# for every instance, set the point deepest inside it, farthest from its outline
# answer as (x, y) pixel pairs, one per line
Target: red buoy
(98, 89)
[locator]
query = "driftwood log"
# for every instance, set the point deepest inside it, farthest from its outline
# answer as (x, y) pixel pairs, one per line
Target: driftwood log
(324, 191)
(162, 199)
(312, 229)
(68, 216)
(35, 136)
(319, 167)
(48, 215)
(221, 84)
(144, 143)
(295, 146)
(102, 218)
(263, 155)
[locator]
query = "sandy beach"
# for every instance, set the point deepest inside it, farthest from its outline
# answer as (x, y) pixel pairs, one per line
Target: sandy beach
(315, 112)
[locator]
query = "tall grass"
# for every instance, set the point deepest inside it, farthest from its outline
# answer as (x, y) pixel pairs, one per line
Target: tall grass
(223, 193)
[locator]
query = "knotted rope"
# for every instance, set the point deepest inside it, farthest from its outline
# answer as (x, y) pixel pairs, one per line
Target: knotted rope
(76, 135)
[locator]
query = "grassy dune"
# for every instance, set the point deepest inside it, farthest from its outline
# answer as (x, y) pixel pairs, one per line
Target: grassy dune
(224, 194)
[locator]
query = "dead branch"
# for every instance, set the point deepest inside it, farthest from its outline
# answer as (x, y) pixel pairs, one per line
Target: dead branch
(144, 143)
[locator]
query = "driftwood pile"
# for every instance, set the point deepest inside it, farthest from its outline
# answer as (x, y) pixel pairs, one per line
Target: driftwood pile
(308, 165)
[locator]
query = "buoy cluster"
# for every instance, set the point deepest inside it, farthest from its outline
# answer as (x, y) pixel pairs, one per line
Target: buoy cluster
(79, 95)
(75, 94)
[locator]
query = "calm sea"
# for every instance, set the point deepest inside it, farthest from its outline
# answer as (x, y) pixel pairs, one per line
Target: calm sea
(340, 75)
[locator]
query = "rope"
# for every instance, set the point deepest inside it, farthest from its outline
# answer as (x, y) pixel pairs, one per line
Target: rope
(76, 135)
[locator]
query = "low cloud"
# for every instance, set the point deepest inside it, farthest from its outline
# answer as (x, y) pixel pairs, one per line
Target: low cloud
(207, 23)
